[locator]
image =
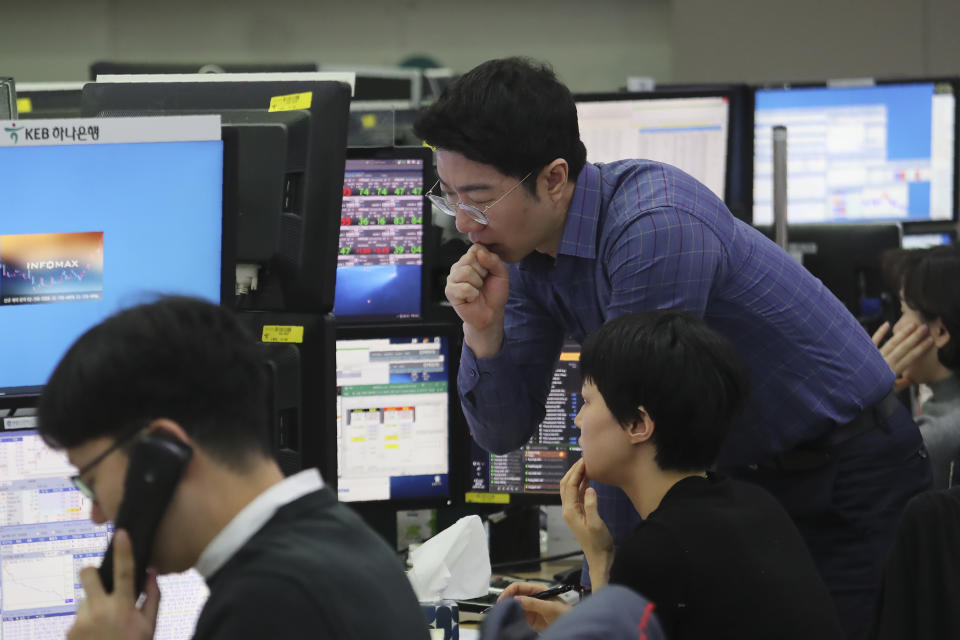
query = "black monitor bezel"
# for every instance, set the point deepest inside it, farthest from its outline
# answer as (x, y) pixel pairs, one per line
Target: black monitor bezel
(111, 67)
(50, 103)
(738, 185)
(954, 81)
(306, 286)
(401, 153)
(317, 381)
(456, 421)
(951, 232)
(829, 235)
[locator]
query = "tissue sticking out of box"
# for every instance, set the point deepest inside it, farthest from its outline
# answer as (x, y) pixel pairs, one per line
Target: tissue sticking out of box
(454, 564)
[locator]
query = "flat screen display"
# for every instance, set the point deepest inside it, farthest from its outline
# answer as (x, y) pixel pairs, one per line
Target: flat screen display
(859, 154)
(380, 264)
(690, 133)
(87, 229)
(393, 418)
(47, 537)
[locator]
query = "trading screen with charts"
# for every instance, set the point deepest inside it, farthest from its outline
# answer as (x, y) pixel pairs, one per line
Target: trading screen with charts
(46, 538)
(870, 153)
(393, 418)
(379, 269)
(688, 133)
(539, 465)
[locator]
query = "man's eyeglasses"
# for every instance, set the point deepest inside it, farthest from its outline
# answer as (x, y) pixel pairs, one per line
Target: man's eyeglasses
(476, 214)
(77, 479)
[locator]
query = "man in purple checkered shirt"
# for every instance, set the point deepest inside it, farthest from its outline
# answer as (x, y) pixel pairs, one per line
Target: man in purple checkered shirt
(586, 243)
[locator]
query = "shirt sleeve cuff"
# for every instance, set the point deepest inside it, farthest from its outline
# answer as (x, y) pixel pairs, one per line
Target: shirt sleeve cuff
(473, 368)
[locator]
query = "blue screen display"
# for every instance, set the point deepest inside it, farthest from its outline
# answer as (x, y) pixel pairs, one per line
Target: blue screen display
(380, 261)
(858, 154)
(86, 230)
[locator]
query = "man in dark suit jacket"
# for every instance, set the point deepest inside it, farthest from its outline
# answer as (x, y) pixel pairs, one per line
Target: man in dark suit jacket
(282, 558)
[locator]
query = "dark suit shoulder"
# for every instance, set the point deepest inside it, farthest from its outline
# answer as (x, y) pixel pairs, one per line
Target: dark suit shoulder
(318, 562)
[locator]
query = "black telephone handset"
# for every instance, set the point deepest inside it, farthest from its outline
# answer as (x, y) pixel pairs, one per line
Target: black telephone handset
(156, 464)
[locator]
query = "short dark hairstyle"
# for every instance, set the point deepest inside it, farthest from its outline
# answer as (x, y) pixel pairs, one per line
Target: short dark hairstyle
(687, 377)
(893, 262)
(512, 114)
(178, 358)
(929, 279)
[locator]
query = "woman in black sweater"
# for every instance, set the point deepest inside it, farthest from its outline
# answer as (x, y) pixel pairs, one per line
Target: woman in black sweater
(718, 557)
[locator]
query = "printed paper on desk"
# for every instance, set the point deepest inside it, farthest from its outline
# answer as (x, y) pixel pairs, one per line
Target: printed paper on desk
(454, 564)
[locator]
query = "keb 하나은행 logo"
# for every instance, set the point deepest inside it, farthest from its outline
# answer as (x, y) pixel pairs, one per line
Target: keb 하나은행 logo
(12, 130)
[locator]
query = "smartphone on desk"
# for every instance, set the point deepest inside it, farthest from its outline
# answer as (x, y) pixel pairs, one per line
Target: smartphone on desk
(157, 462)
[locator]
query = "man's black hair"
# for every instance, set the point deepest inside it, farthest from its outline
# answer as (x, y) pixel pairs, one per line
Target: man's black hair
(178, 358)
(686, 376)
(929, 279)
(512, 114)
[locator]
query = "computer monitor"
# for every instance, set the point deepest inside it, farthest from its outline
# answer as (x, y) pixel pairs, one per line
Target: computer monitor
(384, 83)
(694, 130)
(46, 100)
(303, 229)
(928, 239)
(148, 68)
(47, 537)
(299, 353)
(382, 123)
(396, 411)
(380, 268)
(271, 154)
(846, 258)
(882, 152)
(104, 214)
(373, 123)
(533, 472)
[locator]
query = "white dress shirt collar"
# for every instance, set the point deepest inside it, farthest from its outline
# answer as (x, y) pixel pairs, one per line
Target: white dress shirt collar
(252, 518)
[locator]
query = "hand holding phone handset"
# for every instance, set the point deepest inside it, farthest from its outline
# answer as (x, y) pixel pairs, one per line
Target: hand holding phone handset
(156, 463)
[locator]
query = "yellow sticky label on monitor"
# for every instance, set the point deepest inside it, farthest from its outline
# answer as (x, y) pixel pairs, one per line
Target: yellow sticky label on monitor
(368, 120)
(282, 333)
(291, 102)
(24, 105)
(569, 356)
(478, 497)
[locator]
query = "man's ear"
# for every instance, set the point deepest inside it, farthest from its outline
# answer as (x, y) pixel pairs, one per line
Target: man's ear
(170, 426)
(641, 430)
(555, 175)
(939, 333)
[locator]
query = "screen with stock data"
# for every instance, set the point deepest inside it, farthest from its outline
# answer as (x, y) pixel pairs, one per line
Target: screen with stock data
(46, 538)
(690, 133)
(380, 266)
(393, 418)
(865, 153)
(539, 465)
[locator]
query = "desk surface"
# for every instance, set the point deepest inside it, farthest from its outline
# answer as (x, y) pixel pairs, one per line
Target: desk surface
(546, 572)
(547, 569)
